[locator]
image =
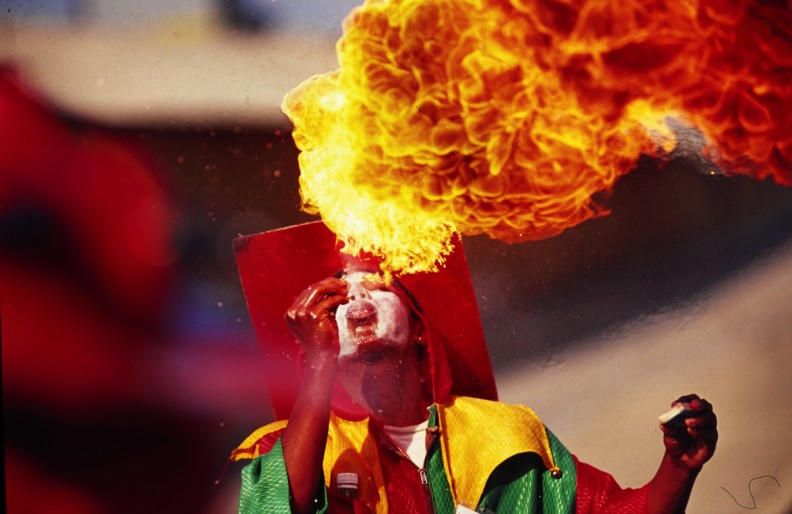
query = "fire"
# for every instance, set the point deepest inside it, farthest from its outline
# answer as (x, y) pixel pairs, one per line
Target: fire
(505, 118)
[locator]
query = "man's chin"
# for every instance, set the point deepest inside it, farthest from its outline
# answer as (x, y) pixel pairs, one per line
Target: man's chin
(374, 350)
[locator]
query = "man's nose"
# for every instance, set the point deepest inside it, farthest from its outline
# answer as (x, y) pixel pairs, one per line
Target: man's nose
(359, 292)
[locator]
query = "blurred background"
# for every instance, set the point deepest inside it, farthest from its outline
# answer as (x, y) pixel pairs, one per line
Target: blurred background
(137, 139)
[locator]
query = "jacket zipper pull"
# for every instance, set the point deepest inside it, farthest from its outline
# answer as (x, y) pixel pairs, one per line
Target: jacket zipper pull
(427, 489)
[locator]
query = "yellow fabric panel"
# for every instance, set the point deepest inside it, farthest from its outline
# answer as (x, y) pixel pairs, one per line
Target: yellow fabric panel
(351, 448)
(465, 424)
(248, 449)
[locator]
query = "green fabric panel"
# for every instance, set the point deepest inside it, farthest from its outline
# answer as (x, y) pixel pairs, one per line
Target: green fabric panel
(522, 495)
(265, 486)
(559, 493)
(442, 499)
(519, 485)
(514, 486)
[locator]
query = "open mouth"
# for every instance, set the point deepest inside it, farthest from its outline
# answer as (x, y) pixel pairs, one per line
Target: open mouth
(364, 334)
(361, 321)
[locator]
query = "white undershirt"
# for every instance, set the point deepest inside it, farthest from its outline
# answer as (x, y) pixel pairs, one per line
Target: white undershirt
(411, 440)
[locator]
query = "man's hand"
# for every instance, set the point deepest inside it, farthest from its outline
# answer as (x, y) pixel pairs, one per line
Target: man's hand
(311, 318)
(692, 443)
(689, 445)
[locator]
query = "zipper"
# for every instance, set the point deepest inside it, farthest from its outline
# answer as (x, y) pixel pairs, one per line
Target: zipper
(421, 471)
(424, 481)
(427, 489)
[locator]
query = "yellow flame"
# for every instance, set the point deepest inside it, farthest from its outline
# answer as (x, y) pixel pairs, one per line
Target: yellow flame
(504, 117)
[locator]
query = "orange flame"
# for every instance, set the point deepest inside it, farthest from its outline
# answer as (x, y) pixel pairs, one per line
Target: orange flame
(506, 117)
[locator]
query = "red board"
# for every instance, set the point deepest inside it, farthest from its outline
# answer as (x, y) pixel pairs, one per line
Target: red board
(276, 266)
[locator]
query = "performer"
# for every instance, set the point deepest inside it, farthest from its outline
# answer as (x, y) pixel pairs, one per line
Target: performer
(397, 437)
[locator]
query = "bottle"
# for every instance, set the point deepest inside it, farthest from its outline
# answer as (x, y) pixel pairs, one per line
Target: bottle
(347, 485)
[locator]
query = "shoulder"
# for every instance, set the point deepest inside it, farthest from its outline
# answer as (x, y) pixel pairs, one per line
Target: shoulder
(514, 428)
(497, 434)
(260, 441)
(488, 411)
(342, 433)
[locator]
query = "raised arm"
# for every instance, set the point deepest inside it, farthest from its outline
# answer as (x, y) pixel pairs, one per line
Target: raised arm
(688, 447)
(311, 320)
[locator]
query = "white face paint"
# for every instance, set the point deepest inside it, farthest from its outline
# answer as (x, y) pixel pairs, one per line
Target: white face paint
(370, 315)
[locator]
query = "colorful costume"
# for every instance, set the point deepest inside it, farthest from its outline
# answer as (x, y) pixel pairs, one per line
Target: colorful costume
(483, 454)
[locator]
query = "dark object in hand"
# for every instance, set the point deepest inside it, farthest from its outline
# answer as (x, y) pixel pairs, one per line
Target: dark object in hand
(675, 417)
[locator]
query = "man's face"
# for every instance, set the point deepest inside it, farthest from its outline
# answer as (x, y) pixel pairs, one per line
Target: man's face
(374, 316)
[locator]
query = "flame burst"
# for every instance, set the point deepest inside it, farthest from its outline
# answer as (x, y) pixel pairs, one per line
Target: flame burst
(505, 117)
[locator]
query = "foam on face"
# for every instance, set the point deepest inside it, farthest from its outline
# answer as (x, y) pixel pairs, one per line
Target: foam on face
(370, 315)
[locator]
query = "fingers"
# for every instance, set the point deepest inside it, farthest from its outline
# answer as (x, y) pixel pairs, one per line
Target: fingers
(315, 294)
(674, 445)
(692, 440)
(706, 419)
(701, 419)
(677, 442)
(703, 427)
(687, 398)
(676, 433)
(319, 311)
(328, 304)
(696, 427)
(327, 287)
(694, 401)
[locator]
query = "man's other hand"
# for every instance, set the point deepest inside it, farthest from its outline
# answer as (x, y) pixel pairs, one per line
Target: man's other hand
(692, 443)
(311, 318)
